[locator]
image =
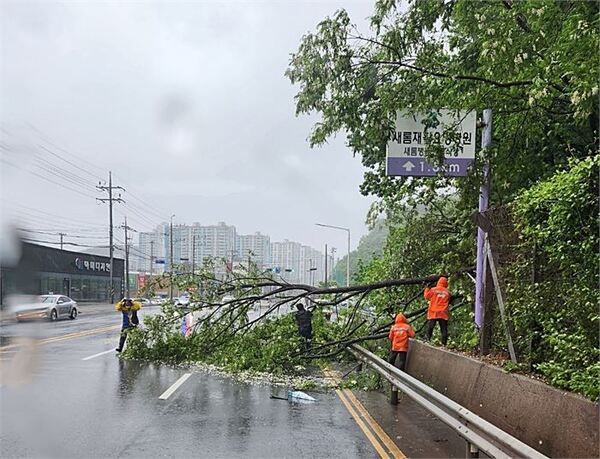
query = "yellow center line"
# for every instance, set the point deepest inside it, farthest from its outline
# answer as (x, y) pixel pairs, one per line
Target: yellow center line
(392, 447)
(54, 339)
(93, 331)
(364, 419)
(382, 453)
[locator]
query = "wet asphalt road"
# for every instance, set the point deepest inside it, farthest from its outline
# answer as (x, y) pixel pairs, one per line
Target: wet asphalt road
(55, 404)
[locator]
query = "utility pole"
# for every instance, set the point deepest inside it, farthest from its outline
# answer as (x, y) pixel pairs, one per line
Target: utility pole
(151, 258)
(126, 228)
(110, 201)
(348, 262)
(348, 257)
(171, 261)
(483, 316)
(333, 249)
(193, 253)
(61, 239)
(326, 265)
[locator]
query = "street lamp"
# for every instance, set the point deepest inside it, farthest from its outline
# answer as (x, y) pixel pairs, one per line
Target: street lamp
(348, 257)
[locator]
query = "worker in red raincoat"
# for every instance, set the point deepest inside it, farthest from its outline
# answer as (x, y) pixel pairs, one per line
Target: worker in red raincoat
(439, 298)
(399, 334)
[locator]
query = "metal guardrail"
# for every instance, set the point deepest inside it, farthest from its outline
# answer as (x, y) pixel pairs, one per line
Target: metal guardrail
(479, 433)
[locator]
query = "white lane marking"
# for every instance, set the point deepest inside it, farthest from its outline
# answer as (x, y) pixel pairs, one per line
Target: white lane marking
(166, 394)
(98, 354)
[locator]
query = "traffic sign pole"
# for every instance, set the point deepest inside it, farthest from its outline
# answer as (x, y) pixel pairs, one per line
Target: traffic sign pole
(484, 195)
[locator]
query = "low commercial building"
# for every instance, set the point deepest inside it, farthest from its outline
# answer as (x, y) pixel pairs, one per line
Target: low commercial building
(81, 276)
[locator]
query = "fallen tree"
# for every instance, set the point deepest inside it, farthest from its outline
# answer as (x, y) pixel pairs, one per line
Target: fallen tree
(243, 321)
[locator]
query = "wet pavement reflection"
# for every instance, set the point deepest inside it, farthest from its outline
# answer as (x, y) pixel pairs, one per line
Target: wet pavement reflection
(55, 404)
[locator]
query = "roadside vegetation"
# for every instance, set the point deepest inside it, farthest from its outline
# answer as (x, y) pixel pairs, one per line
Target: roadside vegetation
(535, 64)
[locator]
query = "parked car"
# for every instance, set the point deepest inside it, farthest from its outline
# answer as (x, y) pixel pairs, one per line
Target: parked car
(142, 301)
(51, 307)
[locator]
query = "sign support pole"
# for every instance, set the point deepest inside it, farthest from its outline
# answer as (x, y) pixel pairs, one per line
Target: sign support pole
(484, 195)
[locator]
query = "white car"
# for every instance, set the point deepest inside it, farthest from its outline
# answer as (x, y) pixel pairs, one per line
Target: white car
(51, 307)
(183, 300)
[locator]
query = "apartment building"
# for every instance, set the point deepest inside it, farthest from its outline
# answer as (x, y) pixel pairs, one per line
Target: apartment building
(256, 247)
(295, 263)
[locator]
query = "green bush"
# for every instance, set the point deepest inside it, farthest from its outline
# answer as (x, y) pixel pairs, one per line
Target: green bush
(556, 318)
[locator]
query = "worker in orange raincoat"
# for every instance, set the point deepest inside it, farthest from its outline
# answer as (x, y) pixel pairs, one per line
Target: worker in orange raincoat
(399, 334)
(439, 298)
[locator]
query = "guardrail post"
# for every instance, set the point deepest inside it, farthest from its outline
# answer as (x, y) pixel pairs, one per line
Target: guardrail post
(394, 389)
(394, 395)
(472, 451)
(493, 441)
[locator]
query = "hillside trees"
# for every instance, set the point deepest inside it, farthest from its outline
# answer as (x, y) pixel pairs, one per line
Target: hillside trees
(535, 63)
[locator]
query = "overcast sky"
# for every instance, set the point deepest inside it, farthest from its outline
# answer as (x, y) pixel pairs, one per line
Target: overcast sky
(186, 103)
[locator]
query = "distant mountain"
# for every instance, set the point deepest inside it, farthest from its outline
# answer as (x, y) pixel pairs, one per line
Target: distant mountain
(369, 247)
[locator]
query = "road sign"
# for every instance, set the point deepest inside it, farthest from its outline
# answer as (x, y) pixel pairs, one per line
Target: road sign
(159, 261)
(408, 146)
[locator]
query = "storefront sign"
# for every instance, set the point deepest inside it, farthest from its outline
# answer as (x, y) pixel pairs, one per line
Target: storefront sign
(89, 265)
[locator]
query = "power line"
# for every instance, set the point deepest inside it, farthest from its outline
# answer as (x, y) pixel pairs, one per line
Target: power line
(46, 139)
(63, 173)
(69, 162)
(151, 208)
(141, 209)
(61, 185)
(141, 216)
(64, 234)
(148, 209)
(42, 223)
(33, 211)
(66, 243)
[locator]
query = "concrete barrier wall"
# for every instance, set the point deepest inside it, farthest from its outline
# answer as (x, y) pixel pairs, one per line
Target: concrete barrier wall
(556, 423)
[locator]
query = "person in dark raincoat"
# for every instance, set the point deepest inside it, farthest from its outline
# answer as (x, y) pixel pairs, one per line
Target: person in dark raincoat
(304, 321)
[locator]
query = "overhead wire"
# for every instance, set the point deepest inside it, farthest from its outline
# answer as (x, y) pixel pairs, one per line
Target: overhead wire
(46, 139)
(66, 243)
(49, 233)
(49, 171)
(61, 185)
(69, 162)
(64, 173)
(35, 221)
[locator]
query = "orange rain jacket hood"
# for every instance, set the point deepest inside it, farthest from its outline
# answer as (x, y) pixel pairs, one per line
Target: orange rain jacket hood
(439, 299)
(399, 334)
